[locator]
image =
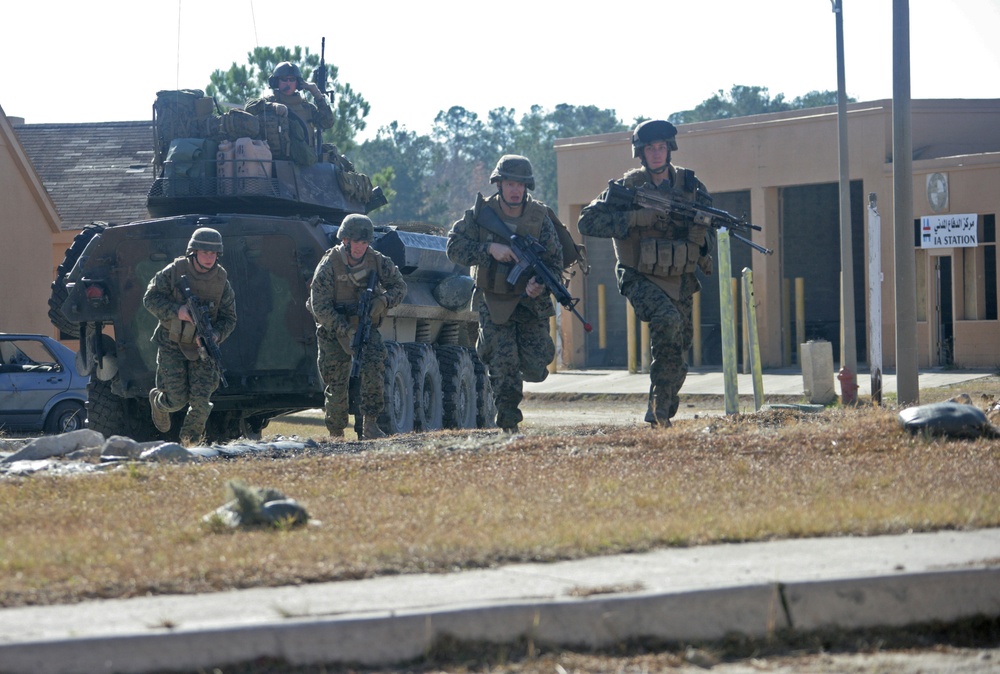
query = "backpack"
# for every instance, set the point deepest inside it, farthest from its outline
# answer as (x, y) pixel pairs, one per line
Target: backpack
(181, 113)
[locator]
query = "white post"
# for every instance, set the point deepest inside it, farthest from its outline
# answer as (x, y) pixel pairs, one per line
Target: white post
(875, 297)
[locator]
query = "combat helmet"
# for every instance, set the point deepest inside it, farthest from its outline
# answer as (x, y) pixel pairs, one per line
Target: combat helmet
(205, 238)
(356, 227)
(650, 131)
(286, 69)
(513, 167)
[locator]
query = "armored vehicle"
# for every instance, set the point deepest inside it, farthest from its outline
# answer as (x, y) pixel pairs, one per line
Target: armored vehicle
(277, 218)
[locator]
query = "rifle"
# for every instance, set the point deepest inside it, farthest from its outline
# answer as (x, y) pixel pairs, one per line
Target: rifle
(319, 75)
(358, 344)
(319, 79)
(621, 198)
(528, 251)
(203, 328)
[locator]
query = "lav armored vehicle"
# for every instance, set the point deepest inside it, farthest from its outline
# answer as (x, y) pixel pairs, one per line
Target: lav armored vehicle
(277, 218)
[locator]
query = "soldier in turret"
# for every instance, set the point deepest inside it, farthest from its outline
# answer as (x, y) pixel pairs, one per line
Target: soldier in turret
(657, 258)
(340, 278)
(184, 375)
(305, 120)
(514, 339)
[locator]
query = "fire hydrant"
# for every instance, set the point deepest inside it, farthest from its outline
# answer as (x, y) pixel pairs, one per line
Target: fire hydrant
(848, 386)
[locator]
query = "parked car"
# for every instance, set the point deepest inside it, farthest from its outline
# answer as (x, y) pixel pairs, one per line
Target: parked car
(40, 389)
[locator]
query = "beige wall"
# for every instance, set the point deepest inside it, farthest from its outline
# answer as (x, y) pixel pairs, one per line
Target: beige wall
(28, 223)
(766, 153)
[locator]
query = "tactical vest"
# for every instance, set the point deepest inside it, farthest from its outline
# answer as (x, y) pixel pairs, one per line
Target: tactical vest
(207, 287)
(350, 282)
(492, 277)
(661, 253)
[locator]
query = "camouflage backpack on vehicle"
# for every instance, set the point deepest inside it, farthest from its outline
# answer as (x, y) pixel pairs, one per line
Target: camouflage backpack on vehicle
(181, 113)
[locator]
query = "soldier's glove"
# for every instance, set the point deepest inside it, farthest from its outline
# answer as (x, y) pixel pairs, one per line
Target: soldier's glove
(698, 234)
(380, 306)
(644, 217)
(706, 264)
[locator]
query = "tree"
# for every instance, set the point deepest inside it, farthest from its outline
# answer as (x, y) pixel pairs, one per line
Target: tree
(403, 164)
(742, 101)
(234, 87)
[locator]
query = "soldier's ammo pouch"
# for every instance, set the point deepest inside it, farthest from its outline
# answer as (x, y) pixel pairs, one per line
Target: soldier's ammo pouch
(185, 335)
(667, 257)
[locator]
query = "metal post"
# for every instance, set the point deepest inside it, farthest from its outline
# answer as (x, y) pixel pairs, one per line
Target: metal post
(907, 378)
(875, 297)
(630, 338)
(849, 340)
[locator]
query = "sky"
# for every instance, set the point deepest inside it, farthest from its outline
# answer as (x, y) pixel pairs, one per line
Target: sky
(104, 60)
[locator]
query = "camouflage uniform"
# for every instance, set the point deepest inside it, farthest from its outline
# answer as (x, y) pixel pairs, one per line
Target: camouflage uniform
(514, 339)
(333, 297)
(290, 123)
(183, 375)
(661, 295)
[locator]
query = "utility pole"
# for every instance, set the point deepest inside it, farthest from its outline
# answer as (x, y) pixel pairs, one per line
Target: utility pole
(907, 377)
(848, 375)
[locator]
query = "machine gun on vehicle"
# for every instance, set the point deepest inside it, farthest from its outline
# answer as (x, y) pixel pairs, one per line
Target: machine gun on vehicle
(361, 337)
(208, 342)
(528, 251)
(622, 198)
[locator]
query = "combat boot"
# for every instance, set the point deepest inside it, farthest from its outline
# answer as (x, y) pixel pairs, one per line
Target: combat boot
(371, 430)
(161, 417)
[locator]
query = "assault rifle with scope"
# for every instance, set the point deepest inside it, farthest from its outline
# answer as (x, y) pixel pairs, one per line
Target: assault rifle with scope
(620, 197)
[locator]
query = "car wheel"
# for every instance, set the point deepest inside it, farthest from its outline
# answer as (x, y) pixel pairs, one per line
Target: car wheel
(65, 417)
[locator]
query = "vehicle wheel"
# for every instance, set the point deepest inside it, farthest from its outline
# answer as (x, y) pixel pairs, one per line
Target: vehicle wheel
(58, 294)
(486, 407)
(110, 414)
(427, 407)
(458, 386)
(66, 416)
(397, 415)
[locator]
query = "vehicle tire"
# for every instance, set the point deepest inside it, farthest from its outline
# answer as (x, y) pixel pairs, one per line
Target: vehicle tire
(110, 414)
(67, 416)
(397, 415)
(486, 407)
(428, 408)
(458, 386)
(58, 288)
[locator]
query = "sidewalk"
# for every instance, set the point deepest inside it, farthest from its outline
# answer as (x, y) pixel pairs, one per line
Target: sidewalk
(677, 594)
(778, 383)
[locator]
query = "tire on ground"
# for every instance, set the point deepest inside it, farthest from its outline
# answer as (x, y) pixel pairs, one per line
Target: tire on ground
(397, 415)
(427, 399)
(110, 414)
(458, 386)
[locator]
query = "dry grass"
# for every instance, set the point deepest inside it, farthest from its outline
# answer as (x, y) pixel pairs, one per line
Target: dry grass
(453, 500)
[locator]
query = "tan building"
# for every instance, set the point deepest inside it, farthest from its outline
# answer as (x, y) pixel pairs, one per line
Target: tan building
(54, 180)
(28, 223)
(782, 171)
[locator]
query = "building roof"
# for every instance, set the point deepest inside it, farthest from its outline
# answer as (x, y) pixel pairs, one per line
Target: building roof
(95, 171)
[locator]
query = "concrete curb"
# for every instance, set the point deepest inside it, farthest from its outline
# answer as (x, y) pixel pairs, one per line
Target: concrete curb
(598, 621)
